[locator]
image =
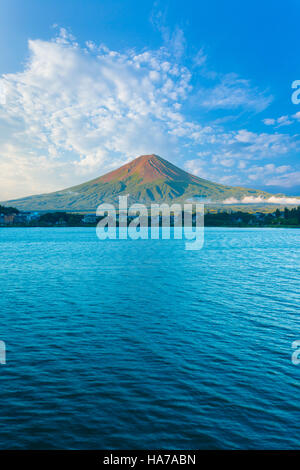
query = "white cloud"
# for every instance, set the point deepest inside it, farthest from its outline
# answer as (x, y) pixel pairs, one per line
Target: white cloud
(195, 167)
(297, 116)
(284, 121)
(262, 200)
(234, 92)
(269, 121)
(256, 172)
(174, 40)
(265, 145)
(281, 121)
(287, 180)
(231, 200)
(200, 58)
(234, 169)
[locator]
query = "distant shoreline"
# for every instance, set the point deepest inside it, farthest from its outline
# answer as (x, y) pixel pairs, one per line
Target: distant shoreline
(286, 218)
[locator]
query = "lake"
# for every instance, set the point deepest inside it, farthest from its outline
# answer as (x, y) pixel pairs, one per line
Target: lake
(123, 344)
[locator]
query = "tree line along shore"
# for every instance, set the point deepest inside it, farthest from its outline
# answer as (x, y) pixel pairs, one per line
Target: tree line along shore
(12, 217)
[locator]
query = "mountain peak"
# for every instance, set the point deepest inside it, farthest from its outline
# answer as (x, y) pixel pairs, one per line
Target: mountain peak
(146, 169)
(147, 178)
(147, 157)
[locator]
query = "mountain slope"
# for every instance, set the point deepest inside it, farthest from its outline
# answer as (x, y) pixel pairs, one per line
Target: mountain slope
(147, 179)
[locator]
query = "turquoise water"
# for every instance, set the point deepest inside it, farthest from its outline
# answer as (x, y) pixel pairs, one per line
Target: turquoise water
(141, 344)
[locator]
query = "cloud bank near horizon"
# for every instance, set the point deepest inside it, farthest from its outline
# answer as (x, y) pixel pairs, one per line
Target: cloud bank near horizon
(262, 200)
(75, 112)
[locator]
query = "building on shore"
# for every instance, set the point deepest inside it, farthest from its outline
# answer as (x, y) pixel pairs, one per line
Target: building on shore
(18, 218)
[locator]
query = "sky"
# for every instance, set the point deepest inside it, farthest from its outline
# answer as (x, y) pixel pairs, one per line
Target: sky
(86, 86)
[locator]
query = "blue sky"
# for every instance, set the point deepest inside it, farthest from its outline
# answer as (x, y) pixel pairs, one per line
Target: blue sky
(86, 86)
